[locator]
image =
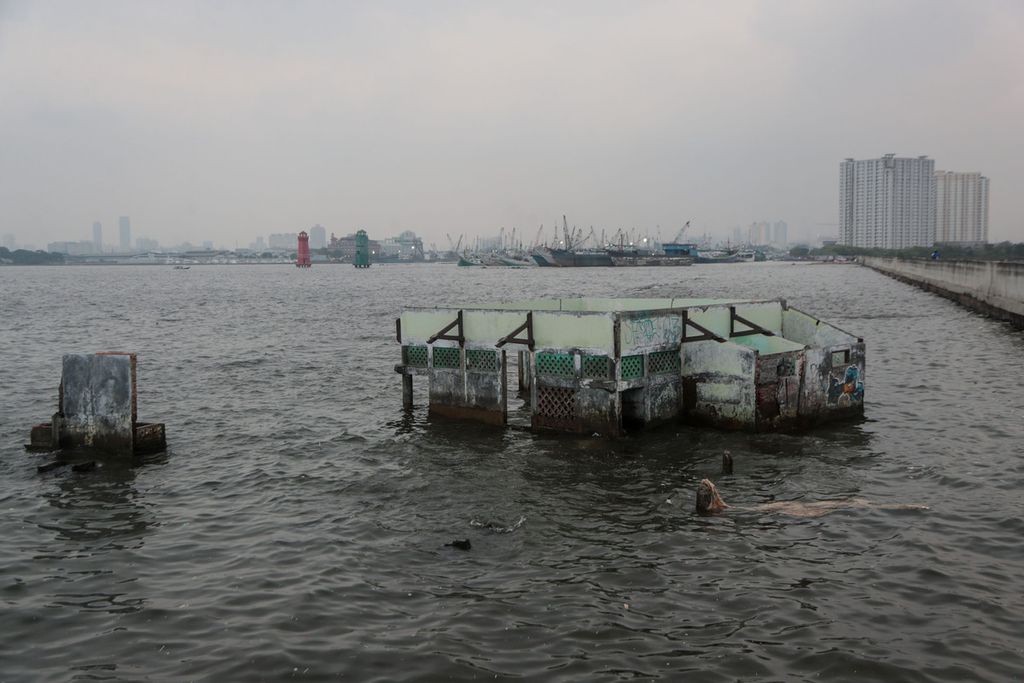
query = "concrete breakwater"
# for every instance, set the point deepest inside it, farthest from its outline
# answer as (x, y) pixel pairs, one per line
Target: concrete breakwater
(992, 287)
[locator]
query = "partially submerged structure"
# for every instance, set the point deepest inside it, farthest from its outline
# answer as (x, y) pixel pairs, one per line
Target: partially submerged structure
(98, 408)
(611, 365)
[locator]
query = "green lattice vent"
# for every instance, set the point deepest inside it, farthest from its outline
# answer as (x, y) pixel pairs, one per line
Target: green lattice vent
(559, 364)
(446, 357)
(415, 355)
(632, 367)
(663, 362)
(482, 359)
(596, 367)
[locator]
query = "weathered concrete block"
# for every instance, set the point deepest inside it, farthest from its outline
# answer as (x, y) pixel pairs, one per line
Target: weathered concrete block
(98, 402)
(42, 438)
(150, 437)
(469, 394)
(97, 408)
(597, 411)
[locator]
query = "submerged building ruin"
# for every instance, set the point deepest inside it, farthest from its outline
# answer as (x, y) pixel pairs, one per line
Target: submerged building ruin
(609, 366)
(97, 408)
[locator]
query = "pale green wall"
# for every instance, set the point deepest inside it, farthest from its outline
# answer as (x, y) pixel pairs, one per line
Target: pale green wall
(588, 323)
(566, 331)
(554, 330)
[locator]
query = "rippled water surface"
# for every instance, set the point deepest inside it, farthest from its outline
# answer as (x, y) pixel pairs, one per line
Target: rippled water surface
(296, 526)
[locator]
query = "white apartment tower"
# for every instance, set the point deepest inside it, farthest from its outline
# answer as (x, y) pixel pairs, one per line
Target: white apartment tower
(887, 203)
(961, 203)
(124, 224)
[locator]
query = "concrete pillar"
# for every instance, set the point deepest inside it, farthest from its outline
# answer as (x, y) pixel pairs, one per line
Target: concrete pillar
(407, 392)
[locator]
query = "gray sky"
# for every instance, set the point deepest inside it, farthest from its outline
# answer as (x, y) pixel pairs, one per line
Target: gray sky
(226, 120)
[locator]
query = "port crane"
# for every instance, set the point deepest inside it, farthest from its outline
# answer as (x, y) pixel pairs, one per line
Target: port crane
(536, 240)
(679, 235)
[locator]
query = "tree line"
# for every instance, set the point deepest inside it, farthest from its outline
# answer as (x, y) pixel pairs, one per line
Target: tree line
(24, 257)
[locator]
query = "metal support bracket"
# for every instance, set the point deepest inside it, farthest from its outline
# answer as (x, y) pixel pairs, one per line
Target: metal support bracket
(511, 338)
(443, 334)
(705, 335)
(754, 327)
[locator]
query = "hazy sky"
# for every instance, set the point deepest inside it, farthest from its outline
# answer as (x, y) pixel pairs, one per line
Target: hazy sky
(226, 120)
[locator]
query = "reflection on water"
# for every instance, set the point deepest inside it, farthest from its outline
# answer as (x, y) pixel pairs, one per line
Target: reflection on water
(97, 520)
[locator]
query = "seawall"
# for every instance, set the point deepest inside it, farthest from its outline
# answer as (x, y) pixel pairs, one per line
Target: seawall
(992, 287)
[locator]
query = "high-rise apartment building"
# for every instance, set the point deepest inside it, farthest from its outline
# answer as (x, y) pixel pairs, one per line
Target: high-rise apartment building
(125, 225)
(97, 237)
(780, 233)
(317, 237)
(961, 204)
(887, 203)
(283, 240)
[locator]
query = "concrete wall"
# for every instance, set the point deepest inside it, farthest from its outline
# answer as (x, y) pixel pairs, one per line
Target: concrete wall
(98, 402)
(463, 392)
(718, 384)
(993, 287)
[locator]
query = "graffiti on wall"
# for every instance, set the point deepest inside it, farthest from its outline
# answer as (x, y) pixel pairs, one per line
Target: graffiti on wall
(847, 389)
(641, 333)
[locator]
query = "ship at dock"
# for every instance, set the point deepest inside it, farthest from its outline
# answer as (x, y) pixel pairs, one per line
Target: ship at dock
(572, 252)
(504, 252)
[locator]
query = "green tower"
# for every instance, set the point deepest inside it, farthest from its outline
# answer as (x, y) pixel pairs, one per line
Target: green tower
(362, 259)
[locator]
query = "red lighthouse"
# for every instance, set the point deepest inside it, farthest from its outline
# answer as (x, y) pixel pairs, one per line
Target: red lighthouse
(303, 260)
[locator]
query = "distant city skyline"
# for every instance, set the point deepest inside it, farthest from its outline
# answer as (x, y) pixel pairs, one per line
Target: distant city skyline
(219, 122)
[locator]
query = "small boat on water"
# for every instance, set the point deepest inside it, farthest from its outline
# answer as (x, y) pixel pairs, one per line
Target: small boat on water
(751, 255)
(503, 259)
(182, 267)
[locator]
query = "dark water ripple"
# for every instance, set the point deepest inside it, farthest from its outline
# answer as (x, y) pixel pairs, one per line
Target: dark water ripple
(295, 529)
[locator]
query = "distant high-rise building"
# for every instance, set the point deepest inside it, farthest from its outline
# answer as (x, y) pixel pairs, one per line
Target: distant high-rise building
(887, 203)
(961, 207)
(317, 237)
(125, 225)
(760, 233)
(283, 240)
(9, 241)
(737, 235)
(97, 237)
(780, 234)
(208, 245)
(145, 244)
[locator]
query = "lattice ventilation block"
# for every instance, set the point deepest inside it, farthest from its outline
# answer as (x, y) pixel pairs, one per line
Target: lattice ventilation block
(663, 362)
(632, 367)
(558, 364)
(416, 356)
(483, 360)
(597, 367)
(446, 357)
(556, 404)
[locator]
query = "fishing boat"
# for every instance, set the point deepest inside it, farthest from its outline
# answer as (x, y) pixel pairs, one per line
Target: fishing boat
(652, 260)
